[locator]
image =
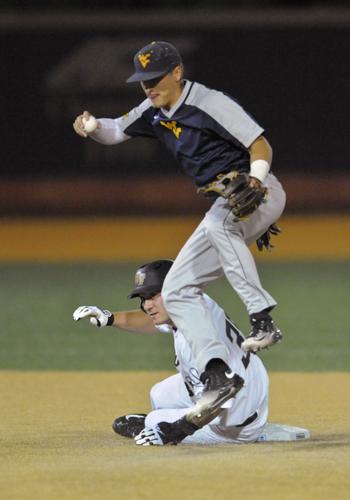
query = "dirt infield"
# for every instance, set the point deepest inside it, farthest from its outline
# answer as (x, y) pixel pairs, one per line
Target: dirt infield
(57, 443)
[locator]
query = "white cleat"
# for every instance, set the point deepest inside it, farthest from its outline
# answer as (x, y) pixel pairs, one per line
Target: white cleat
(262, 340)
(263, 335)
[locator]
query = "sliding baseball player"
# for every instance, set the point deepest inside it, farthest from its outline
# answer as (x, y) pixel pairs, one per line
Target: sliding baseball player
(177, 400)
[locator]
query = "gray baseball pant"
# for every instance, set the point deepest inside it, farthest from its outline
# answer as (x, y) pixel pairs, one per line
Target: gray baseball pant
(219, 246)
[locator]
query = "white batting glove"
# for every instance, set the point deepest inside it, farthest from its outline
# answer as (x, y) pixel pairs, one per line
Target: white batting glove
(98, 317)
(148, 437)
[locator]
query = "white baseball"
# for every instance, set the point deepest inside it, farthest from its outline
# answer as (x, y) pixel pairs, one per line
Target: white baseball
(90, 124)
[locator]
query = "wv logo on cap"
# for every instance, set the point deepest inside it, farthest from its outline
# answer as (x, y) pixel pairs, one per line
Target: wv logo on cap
(144, 59)
(173, 127)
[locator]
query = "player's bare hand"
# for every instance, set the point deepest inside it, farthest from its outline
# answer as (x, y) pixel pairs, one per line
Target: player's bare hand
(254, 182)
(85, 124)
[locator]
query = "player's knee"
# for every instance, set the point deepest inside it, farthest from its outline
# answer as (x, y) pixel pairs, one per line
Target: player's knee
(158, 396)
(172, 294)
(169, 291)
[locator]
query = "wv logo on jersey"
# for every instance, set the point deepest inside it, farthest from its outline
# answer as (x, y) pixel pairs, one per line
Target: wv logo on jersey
(173, 127)
(144, 59)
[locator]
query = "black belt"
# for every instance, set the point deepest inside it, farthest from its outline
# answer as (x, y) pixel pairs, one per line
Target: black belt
(249, 420)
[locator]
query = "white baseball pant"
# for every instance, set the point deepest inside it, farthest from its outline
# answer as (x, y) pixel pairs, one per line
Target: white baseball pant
(170, 401)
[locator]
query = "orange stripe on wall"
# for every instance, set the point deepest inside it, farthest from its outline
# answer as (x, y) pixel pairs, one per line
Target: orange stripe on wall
(134, 238)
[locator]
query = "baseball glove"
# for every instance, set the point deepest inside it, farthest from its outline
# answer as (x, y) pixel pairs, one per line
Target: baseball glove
(264, 240)
(234, 186)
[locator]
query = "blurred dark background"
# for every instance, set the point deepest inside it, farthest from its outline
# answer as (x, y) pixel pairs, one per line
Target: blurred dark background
(287, 64)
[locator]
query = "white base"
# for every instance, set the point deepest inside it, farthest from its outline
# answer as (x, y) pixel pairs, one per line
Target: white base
(281, 432)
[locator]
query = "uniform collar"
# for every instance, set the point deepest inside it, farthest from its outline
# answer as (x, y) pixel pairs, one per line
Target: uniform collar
(170, 112)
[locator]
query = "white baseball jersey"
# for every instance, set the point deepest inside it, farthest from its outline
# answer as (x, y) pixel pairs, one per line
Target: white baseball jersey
(172, 397)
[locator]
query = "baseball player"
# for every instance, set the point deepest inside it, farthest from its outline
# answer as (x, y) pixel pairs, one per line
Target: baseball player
(244, 417)
(227, 155)
(175, 400)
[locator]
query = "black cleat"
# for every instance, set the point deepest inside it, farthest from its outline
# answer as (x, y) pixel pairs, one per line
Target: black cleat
(264, 333)
(219, 387)
(129, 425)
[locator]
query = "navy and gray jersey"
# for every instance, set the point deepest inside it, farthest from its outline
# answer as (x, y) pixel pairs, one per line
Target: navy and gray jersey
(207, 131)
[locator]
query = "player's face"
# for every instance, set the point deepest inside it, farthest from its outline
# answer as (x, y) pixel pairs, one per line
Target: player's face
(154, 308)
(165, 91)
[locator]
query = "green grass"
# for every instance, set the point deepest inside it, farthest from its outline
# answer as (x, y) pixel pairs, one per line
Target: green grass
(38, 333)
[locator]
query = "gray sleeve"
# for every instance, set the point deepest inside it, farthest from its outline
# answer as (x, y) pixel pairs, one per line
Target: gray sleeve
(110, 132)
(128, 120)
(117, 130)
(228, 114)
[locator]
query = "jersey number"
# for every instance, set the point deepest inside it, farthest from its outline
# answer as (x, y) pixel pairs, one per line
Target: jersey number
(230, 329)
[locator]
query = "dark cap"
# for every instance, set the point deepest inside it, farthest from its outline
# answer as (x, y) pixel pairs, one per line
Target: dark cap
(149, 278)
(155, 60)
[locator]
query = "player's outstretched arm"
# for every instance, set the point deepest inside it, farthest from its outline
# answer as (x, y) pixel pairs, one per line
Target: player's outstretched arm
(103, 130)
(132, 321)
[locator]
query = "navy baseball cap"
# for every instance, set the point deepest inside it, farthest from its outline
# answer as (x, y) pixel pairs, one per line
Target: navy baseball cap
(155, 60)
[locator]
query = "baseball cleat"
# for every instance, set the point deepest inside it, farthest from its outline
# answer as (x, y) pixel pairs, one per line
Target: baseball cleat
(263, 335)
(218, 388)
(129, 425)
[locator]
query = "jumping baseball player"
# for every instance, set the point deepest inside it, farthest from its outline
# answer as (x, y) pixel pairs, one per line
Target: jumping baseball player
(227, 155)
(175, 400)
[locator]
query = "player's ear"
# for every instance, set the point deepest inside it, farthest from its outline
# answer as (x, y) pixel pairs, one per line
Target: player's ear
(178, 73)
